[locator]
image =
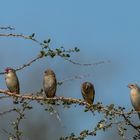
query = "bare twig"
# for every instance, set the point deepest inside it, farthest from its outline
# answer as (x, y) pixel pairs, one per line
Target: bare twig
(72, 78)
(8, 27)
(2, 97)
(30, 37)
(16, 35)
(27, 64)
(53, 111)
(8, 111)
(86, 64)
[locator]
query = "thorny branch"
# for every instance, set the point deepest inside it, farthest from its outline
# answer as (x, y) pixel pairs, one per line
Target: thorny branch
(98, 106)
(108, 111)
(21, 116)
(86, 133)
(9, 134)
(130, 123)
(16, 124)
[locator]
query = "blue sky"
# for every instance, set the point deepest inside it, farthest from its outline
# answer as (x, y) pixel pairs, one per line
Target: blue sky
(103, 30)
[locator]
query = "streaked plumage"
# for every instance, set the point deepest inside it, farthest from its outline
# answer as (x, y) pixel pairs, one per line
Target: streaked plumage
(12, 81)
(135, 97)
(49, 83)
(88, 92)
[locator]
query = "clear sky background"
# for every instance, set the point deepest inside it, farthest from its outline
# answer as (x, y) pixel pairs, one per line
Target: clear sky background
(103, 30)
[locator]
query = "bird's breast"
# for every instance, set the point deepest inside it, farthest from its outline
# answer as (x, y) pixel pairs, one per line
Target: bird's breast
(135, 98)
(49, 81)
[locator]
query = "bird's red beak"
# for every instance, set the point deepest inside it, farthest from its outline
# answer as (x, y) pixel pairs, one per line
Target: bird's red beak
(129, 86)
(6, 70)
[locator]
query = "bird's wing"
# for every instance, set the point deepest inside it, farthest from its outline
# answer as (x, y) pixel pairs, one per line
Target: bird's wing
(135, 99)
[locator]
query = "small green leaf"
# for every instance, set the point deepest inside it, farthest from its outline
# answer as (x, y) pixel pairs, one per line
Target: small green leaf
(45, 41)
(49, 40)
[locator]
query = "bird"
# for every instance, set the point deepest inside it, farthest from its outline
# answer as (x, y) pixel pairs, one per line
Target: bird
(88, 92)
(49, 83)
(12, 82)
(135, 97)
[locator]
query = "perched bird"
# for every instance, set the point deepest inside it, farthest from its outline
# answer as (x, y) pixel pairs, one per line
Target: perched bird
(12, 81)
(49, 83)
(135, 97)
(88, 92)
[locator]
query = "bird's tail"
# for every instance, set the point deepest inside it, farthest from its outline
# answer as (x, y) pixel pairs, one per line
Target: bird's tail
(15, 100)
(139, 115)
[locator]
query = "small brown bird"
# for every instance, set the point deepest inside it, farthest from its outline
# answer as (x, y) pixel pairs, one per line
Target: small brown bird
(88, 92)
(49, 83)
(135, 97)
(12, 81)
